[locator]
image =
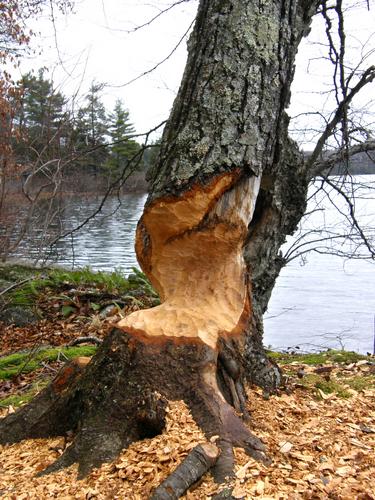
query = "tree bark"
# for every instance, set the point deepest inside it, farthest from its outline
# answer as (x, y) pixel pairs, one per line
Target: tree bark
(227, 188)
(226, 143)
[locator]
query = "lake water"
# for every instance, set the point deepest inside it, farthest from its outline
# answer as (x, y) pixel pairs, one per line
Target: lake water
(326, 302)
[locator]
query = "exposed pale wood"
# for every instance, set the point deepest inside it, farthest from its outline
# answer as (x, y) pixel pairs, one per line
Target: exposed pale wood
(191, 249)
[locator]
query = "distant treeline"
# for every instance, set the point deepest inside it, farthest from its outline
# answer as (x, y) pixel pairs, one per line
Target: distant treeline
(359, 164)
(51, 132)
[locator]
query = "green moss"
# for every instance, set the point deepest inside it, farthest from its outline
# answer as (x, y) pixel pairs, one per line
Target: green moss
(19, 399)
(115, 283)
(11, 273)
(347, 357)
(320, 358)
(15, 364)
(310, 380)
(359, 383)
(331, 386)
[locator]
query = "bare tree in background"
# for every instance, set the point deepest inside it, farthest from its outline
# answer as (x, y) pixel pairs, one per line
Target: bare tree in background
(15, 37)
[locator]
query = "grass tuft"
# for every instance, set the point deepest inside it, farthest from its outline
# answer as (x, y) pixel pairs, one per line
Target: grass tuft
(331, 386)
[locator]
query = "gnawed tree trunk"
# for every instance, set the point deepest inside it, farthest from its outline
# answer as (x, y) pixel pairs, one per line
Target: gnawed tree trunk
(227, 188)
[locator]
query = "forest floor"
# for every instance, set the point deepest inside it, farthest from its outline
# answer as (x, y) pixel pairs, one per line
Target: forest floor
(319, 429)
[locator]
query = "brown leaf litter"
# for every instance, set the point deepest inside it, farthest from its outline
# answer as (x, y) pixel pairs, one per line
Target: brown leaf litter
(320, 449)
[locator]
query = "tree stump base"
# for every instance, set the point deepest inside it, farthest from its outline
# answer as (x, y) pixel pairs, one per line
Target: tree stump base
(121, 396)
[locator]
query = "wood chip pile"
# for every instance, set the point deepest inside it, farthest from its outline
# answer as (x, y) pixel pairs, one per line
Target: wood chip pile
(320, 449)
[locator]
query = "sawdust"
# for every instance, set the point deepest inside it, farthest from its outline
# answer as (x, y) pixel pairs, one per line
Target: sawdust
(320, 449)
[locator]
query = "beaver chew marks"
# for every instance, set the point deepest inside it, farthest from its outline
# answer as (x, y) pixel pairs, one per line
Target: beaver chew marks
(191, 250)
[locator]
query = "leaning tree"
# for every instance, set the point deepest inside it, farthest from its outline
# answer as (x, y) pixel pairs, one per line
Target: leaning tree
(228, 186)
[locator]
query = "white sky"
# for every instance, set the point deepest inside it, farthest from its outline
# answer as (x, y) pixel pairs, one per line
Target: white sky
(93, 44)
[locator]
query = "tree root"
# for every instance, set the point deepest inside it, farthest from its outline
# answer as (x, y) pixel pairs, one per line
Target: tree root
(121, 396)
(199, 460)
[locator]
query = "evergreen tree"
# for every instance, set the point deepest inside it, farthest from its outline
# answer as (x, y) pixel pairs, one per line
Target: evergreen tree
(123, 147)
(41, 120)
(91, 130)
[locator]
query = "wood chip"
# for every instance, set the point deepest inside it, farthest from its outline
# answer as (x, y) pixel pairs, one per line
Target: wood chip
(285, 446)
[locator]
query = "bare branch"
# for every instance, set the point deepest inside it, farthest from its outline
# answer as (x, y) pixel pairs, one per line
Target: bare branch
(367, 77)
(154, 18)
(147, 72)
(332, 159)
(353, 217)
(131, 166)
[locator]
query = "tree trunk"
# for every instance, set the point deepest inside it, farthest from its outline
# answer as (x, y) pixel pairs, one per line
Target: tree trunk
(226, 189)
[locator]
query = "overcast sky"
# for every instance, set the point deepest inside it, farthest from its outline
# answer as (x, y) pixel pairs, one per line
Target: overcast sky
(97, 43)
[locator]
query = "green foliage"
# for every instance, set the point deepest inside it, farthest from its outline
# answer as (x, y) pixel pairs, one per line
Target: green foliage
(44, 131)
(140, 279)
(17, 363)
(90, 130)
(123, 148)
(41, 120)
(67, 310)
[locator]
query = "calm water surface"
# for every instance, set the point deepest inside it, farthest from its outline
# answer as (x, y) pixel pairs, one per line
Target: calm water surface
(325, 302)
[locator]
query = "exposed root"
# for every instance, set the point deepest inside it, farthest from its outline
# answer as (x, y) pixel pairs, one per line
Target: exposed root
(224, 467)
(51, 412)
(199, 460)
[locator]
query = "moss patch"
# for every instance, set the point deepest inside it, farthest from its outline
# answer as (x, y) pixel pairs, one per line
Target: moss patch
(332, 386)
(14, 364)
(20, 399)
(360, 383)
(115, 283)
(319, 358)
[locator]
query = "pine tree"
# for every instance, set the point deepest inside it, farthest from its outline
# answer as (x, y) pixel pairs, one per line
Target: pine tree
(90, 132)
(41, 120)
(123, 148)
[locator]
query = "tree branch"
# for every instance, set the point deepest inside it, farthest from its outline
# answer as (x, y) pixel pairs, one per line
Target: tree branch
(343, 154)
(367, 77)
